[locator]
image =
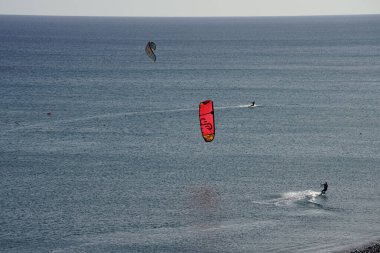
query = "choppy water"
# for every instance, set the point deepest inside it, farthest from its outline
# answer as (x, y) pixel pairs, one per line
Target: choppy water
(100, 149)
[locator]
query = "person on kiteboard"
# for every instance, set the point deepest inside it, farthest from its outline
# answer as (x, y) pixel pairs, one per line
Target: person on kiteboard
(253, 104)
(325, 186)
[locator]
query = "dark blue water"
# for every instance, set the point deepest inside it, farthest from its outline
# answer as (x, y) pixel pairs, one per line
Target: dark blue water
(100, 148)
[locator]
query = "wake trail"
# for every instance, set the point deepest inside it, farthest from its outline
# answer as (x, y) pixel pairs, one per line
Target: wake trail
(230, 107)
(109, 115)
(289, 198)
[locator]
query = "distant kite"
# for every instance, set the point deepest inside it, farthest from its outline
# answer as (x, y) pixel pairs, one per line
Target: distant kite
(150, 47)
(206, 118)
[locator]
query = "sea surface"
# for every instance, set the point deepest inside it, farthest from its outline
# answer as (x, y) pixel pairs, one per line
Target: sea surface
(101, 150)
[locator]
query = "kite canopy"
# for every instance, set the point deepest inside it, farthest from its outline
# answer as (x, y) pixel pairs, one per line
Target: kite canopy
(149, 48)
(206, 119)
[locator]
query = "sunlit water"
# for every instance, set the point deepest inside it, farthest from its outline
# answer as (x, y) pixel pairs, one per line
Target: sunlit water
(100, 148)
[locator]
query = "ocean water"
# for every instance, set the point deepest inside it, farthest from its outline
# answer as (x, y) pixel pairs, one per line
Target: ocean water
(101, 151)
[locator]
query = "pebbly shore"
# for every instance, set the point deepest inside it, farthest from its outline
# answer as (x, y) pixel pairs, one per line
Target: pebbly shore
(370, 248)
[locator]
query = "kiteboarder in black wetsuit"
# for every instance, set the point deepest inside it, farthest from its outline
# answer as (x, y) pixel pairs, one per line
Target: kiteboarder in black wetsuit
(325, 186)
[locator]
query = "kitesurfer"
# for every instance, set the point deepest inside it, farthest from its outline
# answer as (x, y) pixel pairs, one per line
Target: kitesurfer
(325, 186)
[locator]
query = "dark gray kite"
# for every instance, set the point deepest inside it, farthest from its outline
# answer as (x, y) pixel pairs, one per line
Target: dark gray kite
(150, 47)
